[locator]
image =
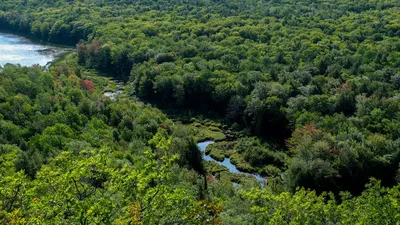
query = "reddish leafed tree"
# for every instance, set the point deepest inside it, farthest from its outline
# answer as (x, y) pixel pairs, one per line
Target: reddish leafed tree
(88, 85)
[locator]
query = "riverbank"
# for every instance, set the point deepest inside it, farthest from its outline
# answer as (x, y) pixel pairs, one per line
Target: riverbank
(227, 164)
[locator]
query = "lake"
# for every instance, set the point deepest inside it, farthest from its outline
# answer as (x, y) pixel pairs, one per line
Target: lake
(18, 50)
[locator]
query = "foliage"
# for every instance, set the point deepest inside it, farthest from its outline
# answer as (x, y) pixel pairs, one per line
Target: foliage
(316, 81)
(376, 205)
(79, 157)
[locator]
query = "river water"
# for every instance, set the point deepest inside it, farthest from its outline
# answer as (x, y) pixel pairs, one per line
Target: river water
(227, 163)
(18, 50)
(113, 95)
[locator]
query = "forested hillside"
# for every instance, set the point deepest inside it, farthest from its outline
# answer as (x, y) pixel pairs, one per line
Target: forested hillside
(305, 92)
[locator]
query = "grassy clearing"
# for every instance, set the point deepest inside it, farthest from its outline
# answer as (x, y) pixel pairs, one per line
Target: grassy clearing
(207, 130)
(220, 150)
(222, 173)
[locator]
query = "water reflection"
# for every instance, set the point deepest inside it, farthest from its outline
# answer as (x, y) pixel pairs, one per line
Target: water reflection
(18, 50)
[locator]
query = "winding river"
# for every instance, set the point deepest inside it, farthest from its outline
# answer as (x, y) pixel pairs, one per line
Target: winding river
(18, 50)
(227, 163)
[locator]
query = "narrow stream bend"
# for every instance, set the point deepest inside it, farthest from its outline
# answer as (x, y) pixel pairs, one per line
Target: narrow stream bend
(227, 163)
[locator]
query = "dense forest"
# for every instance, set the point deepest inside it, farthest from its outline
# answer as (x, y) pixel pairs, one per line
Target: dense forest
(306, 93)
